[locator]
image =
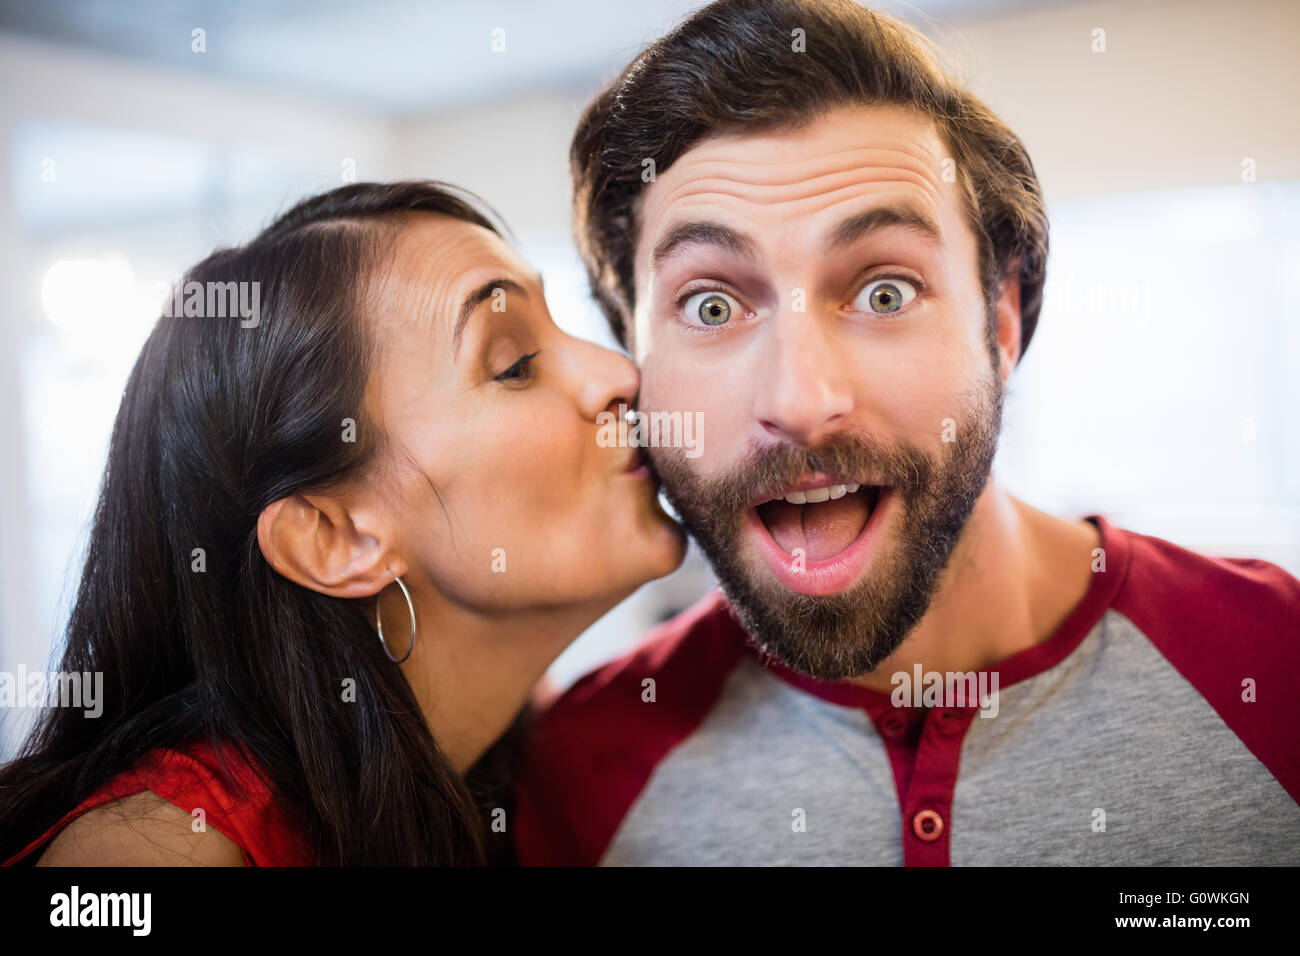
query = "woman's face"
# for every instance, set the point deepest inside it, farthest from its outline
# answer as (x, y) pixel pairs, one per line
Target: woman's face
(503, 498)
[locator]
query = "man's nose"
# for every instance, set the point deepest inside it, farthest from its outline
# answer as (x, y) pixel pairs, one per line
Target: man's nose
(802, 391)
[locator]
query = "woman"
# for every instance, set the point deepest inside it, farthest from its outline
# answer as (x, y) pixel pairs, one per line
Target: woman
(335, 549)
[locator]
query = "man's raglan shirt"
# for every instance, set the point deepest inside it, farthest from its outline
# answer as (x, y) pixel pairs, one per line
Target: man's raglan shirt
(1159, 725)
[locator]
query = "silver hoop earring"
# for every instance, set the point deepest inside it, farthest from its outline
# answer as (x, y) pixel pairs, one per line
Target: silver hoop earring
(379, 623)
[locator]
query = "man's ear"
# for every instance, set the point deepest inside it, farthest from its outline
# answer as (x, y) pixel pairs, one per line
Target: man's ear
(324, 544)
(1008, 312)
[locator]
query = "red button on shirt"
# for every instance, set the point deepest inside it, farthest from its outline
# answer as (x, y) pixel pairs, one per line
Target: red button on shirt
(949, 721)
(892, 725)
(927, 825)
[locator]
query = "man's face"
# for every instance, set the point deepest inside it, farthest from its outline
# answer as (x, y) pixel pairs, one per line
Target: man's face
(814, 293)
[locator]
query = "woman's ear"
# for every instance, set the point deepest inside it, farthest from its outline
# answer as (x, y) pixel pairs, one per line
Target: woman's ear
(325, 544)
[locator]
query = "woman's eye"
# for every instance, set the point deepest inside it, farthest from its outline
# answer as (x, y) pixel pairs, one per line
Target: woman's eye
(711, 308)
(884, 296)
(520, 370)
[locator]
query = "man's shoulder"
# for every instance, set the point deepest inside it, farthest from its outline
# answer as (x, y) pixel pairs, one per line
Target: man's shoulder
(1168, 587)
(1231, 628)
(592, 750)
(702, 635)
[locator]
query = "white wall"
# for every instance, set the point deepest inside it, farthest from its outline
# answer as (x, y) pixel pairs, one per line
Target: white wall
(1184, 91)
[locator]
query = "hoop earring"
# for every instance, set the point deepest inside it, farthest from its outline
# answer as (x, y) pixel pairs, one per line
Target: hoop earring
(379, 623)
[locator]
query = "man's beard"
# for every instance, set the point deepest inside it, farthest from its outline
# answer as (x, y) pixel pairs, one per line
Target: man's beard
(847, 634)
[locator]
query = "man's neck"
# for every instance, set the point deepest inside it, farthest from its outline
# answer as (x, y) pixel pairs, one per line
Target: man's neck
(1015, 575)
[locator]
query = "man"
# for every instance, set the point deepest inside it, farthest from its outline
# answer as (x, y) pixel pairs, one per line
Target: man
(803, 230)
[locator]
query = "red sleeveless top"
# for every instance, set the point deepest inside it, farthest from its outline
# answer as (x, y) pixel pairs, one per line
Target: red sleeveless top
(234, 800)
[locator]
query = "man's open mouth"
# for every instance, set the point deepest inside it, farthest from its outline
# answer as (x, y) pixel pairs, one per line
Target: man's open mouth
(822, 521)
(818, 536)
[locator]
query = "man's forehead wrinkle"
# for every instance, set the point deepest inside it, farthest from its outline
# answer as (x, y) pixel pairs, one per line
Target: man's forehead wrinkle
(793, 183)
(793, 168)
(821, 194)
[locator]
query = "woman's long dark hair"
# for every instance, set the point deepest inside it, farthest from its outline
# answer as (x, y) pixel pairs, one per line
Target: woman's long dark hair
(217, 421)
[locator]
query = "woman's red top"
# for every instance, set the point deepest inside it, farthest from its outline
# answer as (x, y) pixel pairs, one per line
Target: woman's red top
(235, 801)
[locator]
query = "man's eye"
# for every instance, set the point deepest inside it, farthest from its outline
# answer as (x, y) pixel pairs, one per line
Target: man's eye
(711, 308)
(522, 369)
(884, 296)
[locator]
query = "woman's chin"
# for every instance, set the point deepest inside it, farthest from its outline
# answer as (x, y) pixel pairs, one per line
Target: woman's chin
(672, 541)
(673, 556)
(659, 536)
(652, 552)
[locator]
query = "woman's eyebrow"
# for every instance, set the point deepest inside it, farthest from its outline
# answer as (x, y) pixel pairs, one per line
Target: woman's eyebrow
(477, 297)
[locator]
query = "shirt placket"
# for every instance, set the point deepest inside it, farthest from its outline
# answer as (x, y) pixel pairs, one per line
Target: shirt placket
(924, 747)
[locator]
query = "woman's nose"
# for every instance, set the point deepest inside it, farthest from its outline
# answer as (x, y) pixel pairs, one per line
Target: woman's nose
(607, 379)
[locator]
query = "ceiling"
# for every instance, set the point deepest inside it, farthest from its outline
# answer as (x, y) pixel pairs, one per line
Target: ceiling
(395, 57)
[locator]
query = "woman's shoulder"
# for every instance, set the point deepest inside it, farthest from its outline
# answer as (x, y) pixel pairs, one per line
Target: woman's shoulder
(142, 829)
(203, 804)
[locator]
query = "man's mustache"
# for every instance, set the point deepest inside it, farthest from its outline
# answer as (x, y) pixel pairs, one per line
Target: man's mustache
(766, 470)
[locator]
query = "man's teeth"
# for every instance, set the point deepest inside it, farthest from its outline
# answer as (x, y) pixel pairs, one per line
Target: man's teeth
(814, 495)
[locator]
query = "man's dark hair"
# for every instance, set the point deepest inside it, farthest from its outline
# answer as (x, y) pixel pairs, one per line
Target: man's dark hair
(733, 67)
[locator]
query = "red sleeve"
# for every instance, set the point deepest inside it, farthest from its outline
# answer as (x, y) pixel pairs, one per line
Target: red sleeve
(1221, 622)
(593, 750)
(234, 800)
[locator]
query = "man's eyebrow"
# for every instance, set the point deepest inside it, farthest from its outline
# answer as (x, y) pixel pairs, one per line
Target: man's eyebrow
(702, 233)
(476, 298)
(885, 217)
